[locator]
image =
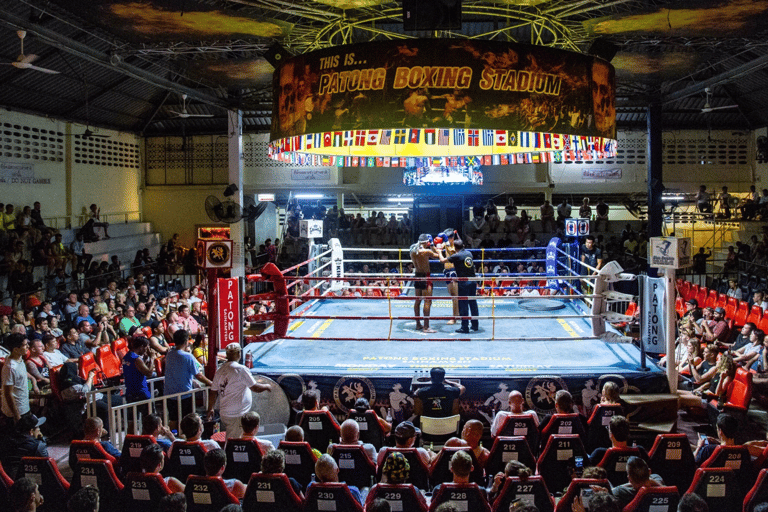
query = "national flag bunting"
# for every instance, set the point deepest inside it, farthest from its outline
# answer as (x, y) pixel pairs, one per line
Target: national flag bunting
(414, 136)
(386, 137)
(429, 136)
(512, 139)
(459, 137)
(399, 136)
(360, 138)
(373, 137)
(337, 139)
(473, 137)
(349, 138)
(487, 137)
(309, 141)
(443, 137)
(327, 140)
(501, 137)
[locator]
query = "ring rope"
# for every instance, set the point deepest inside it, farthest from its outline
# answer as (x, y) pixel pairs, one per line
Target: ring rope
(269, 316)
(564, 338)
(413, 278)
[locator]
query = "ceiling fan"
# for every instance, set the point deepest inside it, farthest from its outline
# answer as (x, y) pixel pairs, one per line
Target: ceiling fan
(184, 114)
(25, 61)
(707, 108)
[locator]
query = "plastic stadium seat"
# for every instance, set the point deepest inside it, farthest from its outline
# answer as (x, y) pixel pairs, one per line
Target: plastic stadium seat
(711, 301)
(574, 489)
(440, 473)
(100, 474)
(654, 499)
(55, 382)
(740, 318)
(331, 496)
(109, 363)
(555, 458)
(299, 461)
(132, 447)
(531, 492)
(505, 449)
(85, 364)
(370, 429)
(355, 468)
(687, 290)
(731, 306)
(208, 494)
(465, 496)
(597, 425)
(680, 306)
(45, 473)
(722, 300)
(615, 463)
(736, 458)
(563, 424)
(185, 459)
(671, 458)
(400, 497)
(320, 429)
(243, 459)
(271, 493)
(120, 348)
(763, 324)
(419, 474)
(755, 314)
(718, 487)
(701, 296)
(739, 393)
(758, 493)
(5, 486)
(92, 449)
(143, 491)
(521, 425)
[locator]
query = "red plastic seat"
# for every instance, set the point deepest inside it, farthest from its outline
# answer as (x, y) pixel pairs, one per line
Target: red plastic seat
(739, 392)
(597, 425)
(758, 493)
(693, 292)
(440, 473)
(185, 459)
(85, 364)
(466, 496)
(711, 301)
(701, 296)
(763, 324)
(109, 363)
(160, 366)
(684, 289)
(132, 448)
(722, 300)
(525, 425)
(755, 314)
(55, 384)
(671, 458)
(120, 347)
(331, 496)
(100, 474)
(505, 449)
(5, 487)
(400, 497)
(45, 473)
(243, 458)
(208, 494)
(574, 489)
(555, 458)
(91, 449)
(615, 463)
(320, 429)
(740, 318)
(370, 429)
(419, 474)
(680, 306)
(143, 491)
(718, 487)
(657, 499)
(736, 458)
(355, 468)
(731, 306)
(563, 424)
(531, 492)
(271, 493)
(299, 461)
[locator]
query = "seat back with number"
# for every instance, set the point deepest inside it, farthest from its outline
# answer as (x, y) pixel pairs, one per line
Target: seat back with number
(465, 496)
(671, 458)
(401, 497)
(45, 473)
(419, 474)
(85, 364)
(243, 459)
(207, 494)
(185, 459)
(143, 491)
(120, 348)
(555, 458)
(5, 486)
(562, 424)
(531, 492)
(100, 474)
(370, 430)
(574, 489)
(718, 487)
(132, 447)
(320, 429)
(521, 425)
(271, 493)
(299, 461)
(89, 449)
(597, 426)
(333, 496)
(355, 468)
(615, 463)
(505, 449)
(736, 458)
(758, 493)
(440, 471)
(654, 499)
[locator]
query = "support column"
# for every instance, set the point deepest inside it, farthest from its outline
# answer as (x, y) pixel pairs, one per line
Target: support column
(235, 159)
(655, 175)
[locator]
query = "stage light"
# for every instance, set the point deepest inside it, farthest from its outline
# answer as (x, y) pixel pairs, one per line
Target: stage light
(308, 196)
(400, 199)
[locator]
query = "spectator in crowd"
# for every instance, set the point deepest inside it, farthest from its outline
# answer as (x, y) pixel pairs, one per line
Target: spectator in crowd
(639, 476)
(24, 496)
(692, 502)
(15, 395)
(93, 430)
(437, 400)
(563, 210)
(516, 404)
(547, 217)
(734, 290)
(618, 432)
(512, 469)
(23, 440)
(129, 320)
(232, 385)
(52, 354)
(86, 499)
(136, 370)
(727, 429)
(152, 425)
(461, 467)
(350, 435)
(405, 437)
(585, 211)
(295, 434)
(180, 371)
(152, 460)
(200, 349)
(192, 428)
(326, 470)
(700, 261)
(215, 462)
(250, 428)
(703, 203)
(273, 463)
(175, 502)
(472, 433)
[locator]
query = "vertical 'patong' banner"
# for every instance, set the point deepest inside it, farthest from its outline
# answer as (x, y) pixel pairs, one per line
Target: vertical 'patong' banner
(228, 291)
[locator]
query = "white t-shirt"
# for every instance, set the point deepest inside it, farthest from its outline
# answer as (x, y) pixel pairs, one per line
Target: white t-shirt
(55, 358)
(232, 381)
(15, 374)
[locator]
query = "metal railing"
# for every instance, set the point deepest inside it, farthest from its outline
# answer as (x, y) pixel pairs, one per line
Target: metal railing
(76, 220)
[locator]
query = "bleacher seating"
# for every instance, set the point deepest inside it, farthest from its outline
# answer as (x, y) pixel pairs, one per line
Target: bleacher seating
(465, 496)
(655, 499)
(615, 463)
(419, 474)
(718, 487)
(574, 489)
(505, 449)
(143, 491)
(108, 362)
(440, 472)
(400, 497)
(355, 468)
(521, 425)
(736, 458)
(331, 496)
(207, 494)
(132, 447)
(370, 430)
(563, 424)
(671, 458)
(185, 459)
(45, 473)
(5, 486)
(243, 458)
(320, 429)
(100, 474)
(299, 461)
(758, 493)
(597, 425)
(554, 459)
(91, 449)
(271, 493)
(531, 492)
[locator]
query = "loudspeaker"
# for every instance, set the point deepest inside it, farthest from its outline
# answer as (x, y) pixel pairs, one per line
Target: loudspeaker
(276, 55)
(431, 14)
(603, 48)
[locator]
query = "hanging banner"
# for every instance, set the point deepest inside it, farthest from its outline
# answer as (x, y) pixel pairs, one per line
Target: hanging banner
(653, 330)
(228, 292)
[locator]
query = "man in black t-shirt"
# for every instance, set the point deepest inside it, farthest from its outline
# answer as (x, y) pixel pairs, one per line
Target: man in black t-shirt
(436, 401)
(465, 267)
(591, 254)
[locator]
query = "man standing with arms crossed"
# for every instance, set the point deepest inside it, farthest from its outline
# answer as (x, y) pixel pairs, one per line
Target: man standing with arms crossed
(421, 251)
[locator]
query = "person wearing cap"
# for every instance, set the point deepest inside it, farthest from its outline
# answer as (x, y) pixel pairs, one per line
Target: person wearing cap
(405, 437)
(421, 252)
(233, 384)
(25, 440)
(465, 268)
(440, 399)
(717, 330)
(692, 312)
(395, 471)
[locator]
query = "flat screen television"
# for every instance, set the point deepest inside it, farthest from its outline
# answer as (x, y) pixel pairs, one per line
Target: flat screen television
(442, 175)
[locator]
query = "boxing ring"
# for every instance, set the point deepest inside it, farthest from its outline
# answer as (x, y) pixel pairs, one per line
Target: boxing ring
(353, 334)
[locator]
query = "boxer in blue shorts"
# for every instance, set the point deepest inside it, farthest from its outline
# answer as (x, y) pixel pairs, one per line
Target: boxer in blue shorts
(421, 252)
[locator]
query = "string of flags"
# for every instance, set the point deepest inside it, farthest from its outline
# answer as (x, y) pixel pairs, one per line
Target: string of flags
(489, 145)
